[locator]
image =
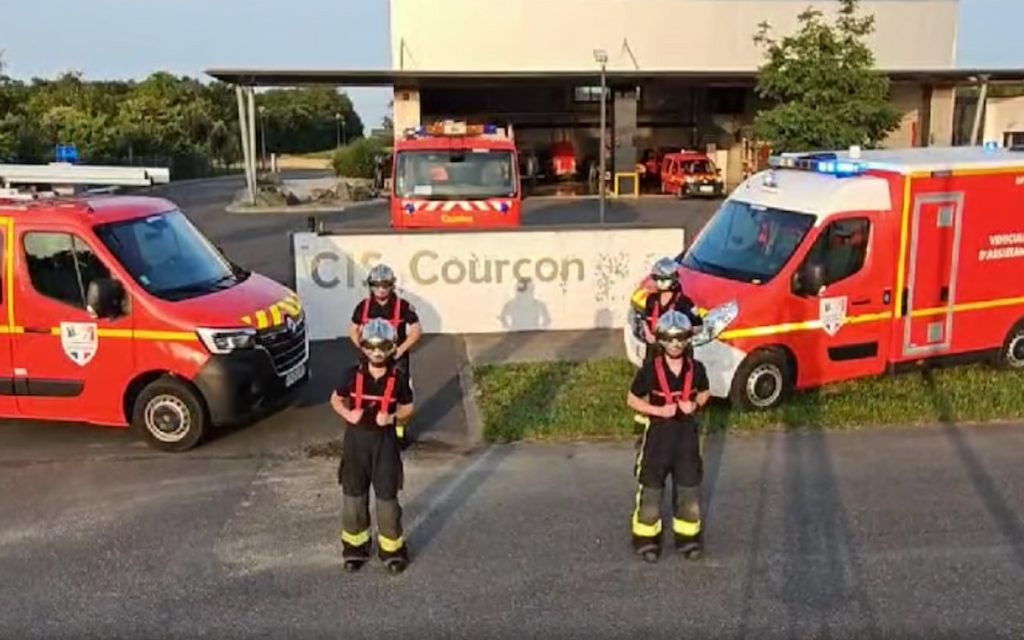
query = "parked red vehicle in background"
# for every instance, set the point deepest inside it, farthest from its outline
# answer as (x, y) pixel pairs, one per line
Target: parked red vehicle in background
(690, 173)
(563, 161)
(454, 175)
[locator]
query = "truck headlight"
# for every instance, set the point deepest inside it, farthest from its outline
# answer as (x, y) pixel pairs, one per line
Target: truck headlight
(222, 341)
(716, 321)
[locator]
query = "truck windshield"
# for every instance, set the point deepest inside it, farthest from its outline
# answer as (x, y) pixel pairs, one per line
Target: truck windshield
(168, 256)
(747, 242)
(455, 174)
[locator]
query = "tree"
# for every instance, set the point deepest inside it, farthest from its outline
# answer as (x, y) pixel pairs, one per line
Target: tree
(821, 86)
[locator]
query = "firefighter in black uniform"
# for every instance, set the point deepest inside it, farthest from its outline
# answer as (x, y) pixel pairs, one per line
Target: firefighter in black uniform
(383, 302)
(371, 396)
(668, 297)
(670, 388)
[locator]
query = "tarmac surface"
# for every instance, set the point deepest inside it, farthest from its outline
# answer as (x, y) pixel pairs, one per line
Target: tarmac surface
(897, 533)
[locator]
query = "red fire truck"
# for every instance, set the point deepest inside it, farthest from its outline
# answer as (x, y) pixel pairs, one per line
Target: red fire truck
(453, 175)
(116, 311)
(839, 265)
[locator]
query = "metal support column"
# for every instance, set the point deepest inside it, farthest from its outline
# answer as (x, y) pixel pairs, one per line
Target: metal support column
(243, 131)
(979, 111)
(252, 140)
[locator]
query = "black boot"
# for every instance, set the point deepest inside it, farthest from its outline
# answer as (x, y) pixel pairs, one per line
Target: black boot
(647, 548)
(691, 547)
(397, 561)
(354, 564)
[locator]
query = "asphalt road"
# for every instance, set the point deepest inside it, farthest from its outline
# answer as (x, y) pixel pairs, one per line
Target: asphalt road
(895, 533)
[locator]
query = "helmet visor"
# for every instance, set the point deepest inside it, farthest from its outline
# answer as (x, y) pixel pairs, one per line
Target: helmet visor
(664, 283)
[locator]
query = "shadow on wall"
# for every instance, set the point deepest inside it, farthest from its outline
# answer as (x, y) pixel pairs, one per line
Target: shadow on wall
(524, 312)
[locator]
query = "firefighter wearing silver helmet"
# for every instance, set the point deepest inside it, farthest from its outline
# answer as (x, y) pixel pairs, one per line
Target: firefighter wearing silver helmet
(668, 296)
(670, 389)
(372, 396)
(385, 303)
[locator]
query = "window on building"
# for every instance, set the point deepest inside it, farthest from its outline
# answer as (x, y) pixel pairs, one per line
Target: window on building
(842, 248)
(727, 101)
(62, 266)
(588, 94)
(1014, 139)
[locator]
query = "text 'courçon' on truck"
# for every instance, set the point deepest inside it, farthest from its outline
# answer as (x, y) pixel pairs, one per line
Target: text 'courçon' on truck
(117, 311)
(839, 265)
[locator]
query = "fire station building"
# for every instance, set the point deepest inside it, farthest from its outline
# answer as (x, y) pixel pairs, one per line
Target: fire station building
(679, 73)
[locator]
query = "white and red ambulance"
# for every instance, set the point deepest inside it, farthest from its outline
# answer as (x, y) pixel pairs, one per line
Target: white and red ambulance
(838, 265)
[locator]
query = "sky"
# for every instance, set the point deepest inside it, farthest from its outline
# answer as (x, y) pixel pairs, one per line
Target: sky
(108, 39)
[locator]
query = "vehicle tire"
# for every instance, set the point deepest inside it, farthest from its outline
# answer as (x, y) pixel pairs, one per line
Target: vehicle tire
(1012, 354)
(170, 414)
(763, 381)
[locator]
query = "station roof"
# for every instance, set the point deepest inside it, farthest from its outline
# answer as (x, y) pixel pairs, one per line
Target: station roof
(268, 77)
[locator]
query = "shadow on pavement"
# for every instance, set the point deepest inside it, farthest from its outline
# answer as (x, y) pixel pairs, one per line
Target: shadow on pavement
(1005, 517)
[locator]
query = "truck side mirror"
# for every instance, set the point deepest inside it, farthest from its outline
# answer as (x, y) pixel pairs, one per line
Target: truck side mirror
(105, 298)
(809, 280)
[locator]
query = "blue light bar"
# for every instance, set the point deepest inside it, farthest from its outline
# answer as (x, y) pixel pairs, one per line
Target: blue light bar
(490, 129)
(834, 167)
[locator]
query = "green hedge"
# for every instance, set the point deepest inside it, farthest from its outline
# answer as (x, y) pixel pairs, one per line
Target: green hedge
(561, 400)
(356, 160)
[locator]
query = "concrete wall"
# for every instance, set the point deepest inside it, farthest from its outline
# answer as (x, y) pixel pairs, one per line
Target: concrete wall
(484, 282)
(1002, 116)
(674, 35)
(406, 110)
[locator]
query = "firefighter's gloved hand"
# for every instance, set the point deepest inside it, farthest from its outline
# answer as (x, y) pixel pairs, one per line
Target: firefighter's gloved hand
(385, 419)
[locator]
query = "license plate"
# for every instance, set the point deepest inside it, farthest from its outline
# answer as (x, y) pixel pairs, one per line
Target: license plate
(706, 188)
(295, 375)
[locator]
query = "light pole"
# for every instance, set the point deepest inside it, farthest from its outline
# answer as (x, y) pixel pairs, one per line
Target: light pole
(337, 123)
(263, 137)
(601, 57)
(344, 134)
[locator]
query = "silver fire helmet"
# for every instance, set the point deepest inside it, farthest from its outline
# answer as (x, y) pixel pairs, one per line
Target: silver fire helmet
(665, 273)
(381, 275)
(378, 335)
(674, 325)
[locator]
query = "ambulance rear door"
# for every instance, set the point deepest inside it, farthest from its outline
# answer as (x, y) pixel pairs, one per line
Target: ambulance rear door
(932, 264)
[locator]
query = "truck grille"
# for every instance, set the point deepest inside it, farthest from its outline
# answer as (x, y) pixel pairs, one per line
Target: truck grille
(286, 346)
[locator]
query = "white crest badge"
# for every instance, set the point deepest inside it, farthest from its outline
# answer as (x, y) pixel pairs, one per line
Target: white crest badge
(832, 314)
(79, 341)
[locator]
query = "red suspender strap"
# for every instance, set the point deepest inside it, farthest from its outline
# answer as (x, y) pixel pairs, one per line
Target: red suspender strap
(389, 390)
(656, 314)
(358, 402)
(398, 312)
(366, 310)
(659, 367)
(663, 382)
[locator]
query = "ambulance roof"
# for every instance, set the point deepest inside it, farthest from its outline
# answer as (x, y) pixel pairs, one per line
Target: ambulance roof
(813, 193)
(98, 209)
(928, 159)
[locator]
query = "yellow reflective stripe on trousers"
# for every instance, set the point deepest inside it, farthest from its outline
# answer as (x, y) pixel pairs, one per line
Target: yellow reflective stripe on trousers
(388, 545)
(685, 528)
(644, 530)
(355, 539)
(640, 529)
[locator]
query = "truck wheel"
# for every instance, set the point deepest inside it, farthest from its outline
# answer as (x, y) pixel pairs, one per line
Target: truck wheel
(170, 414)
(1012, 355)
(763, 381)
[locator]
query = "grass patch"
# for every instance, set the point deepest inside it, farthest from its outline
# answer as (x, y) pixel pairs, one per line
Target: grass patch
(562, 400)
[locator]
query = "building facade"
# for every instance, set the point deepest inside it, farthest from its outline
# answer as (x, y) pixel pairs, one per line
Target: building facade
(680, 72)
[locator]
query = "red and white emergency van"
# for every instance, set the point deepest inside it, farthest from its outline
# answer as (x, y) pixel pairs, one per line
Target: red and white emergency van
(454, 175)
(116, 311)
(833, 266)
